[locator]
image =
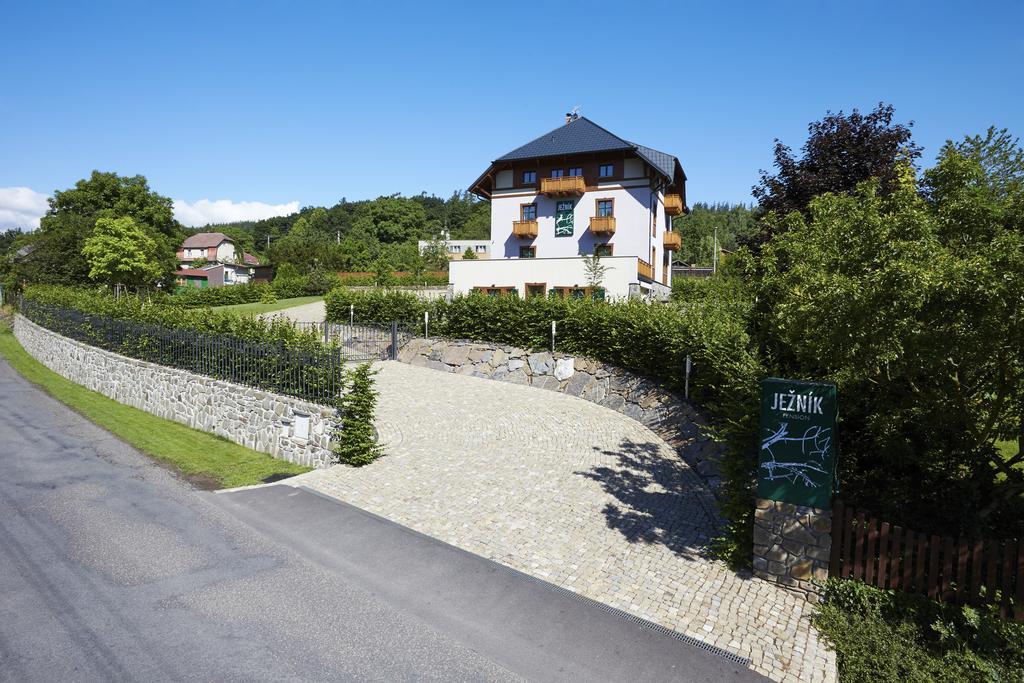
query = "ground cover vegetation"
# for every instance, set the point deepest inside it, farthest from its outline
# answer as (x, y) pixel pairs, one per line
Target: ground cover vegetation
(892, 637)
(204, 458)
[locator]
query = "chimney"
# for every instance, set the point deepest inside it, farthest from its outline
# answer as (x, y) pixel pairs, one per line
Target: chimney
(568, 118)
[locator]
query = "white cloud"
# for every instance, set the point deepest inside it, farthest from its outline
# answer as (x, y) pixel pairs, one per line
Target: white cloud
(204, 211)
(21, 207)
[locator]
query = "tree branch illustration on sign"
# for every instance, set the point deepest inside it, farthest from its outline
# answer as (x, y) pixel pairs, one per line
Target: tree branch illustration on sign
(815, 442)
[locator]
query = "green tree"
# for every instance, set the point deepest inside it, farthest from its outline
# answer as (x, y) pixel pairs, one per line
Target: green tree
(356, 441)
(57, 255)
(469, 254)
(733, 223)
(384, 273)
(120, 251)
(595, 270)
(391, 219)
(435, 255)
(914, 309)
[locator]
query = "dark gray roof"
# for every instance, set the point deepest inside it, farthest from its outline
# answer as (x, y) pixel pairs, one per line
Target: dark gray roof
(583, 135)
(666, 163)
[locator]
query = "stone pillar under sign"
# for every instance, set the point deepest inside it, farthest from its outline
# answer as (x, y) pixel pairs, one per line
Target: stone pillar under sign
(792, 545)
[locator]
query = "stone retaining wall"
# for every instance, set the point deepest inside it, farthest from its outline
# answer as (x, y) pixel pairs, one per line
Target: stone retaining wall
(251, 417)
(792, 545)
(647, 402)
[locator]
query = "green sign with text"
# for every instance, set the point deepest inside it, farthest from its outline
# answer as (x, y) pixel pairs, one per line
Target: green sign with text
(798, 442)
(564, 212)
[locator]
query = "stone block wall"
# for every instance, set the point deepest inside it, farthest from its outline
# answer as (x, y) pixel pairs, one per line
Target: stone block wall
(675, 420)
(251, 417)
(792, 545)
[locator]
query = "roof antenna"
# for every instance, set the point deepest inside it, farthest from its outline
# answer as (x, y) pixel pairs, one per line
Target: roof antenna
(572, 115)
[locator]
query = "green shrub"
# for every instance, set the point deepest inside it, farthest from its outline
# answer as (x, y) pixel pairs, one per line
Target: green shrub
(400, 279)
(373, 306)
(355, 441)
(267, 296)
(882, 635)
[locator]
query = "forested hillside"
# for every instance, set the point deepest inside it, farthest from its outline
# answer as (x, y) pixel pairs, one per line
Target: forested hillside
(354, 235)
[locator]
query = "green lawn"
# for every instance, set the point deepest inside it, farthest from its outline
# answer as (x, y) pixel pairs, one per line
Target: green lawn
(257, 308)
(208, 460)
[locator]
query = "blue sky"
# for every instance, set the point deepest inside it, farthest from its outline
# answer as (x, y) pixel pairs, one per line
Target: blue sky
(286, 103)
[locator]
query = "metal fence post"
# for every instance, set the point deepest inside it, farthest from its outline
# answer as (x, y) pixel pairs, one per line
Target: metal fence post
(686, 389)
(394, 340)
(351, 314)
(327, 339)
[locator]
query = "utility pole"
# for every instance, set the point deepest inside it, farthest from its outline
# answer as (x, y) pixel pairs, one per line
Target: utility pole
(714, 255)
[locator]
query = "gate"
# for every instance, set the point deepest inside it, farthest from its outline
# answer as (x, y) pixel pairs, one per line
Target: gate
(361, 342)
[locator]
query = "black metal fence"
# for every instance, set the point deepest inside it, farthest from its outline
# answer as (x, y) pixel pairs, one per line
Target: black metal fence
(313, 374)
(363, 341)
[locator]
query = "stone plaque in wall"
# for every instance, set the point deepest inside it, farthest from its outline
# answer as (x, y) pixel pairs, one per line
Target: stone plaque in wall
(798, 442)
(564, 211)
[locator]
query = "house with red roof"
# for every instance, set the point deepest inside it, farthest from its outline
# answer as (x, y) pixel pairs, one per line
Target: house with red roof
(211, 259)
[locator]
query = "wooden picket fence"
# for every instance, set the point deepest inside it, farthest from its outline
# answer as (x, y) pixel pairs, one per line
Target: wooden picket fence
(953, 570)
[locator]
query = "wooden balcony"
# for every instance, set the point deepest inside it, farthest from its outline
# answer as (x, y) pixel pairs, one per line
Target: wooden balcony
(673, 204)
(645, 270)
(602, 225)
(524, 229)
(672, 241)
(566, 186)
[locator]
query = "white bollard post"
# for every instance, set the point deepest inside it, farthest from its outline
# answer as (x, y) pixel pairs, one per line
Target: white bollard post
(426, 324)
(351, 314)
(553, 331)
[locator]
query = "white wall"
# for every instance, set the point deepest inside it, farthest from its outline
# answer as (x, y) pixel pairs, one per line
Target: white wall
(464, 276)
(632, 224)
(226, 252)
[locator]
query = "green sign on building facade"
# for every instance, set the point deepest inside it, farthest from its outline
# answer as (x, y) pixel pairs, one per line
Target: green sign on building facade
(563, 218)
(798, 442)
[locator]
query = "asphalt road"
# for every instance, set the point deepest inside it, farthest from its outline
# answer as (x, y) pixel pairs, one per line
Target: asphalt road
(112, 568)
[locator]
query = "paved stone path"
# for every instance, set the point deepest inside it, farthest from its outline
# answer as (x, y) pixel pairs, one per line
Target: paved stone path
(575, 494)
(315, 312)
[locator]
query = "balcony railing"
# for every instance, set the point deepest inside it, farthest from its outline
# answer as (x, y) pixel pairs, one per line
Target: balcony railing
(673, 204)
(566, 186)
(672, 241)
(645, 270)
(524, 229)
(602, 225)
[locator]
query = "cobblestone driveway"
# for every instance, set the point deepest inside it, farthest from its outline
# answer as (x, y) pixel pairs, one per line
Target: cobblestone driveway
(575, 494)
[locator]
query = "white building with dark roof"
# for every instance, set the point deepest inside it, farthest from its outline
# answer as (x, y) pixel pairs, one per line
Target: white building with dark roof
(574, 191)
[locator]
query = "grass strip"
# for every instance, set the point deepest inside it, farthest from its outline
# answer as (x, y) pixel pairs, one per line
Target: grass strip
(205, 459)
(258, 308)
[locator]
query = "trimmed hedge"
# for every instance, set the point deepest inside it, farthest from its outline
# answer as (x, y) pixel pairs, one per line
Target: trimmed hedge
(401, 279)
(156, 311)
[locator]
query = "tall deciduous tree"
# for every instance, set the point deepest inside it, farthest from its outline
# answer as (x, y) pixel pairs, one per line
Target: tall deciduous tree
(914, 306)
(56, 255)
(120, 251)
(841, 151)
